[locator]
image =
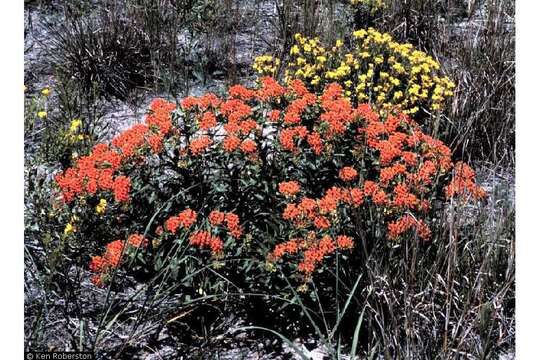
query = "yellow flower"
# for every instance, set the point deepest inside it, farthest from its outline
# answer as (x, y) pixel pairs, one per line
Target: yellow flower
(69, 229)
(321, 59)
(42, 114)
(75, 124)
(364, 55)
(100, 208)
(46, 91)
(360, 33)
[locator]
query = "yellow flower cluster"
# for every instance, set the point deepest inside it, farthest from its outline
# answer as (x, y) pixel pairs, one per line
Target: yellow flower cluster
(69, 229)
(376, 69)
(372, 5)
(266, 65)
(309, 60)
(100, 208)
(74, 131)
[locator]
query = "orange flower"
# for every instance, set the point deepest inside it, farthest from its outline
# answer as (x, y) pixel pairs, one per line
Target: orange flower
(289, 188)
(348, 173)
(354, 197)
(208, 121)
(121, 187)
(405, 223)
(187, 218)
(308, 207)
(113, 253)
(273, 115)
(240, 92)
(379, 198)
(216, 217)
(233, 225)
(137, 240)
(248, 146)
(321, 222)
(172, 224)
(97, 264)
(204, 239)
(290, 247)
(291, 212)
(403, 198)
(314, 140)
(200, 144)
(344, 242)
(231, 143)
(463, 183)
(270, 89)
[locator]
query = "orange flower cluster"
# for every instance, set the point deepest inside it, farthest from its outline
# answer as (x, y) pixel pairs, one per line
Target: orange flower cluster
(463, 183)
(294, 111)
(289, 136)
(236, 114)
(405, 223)
(208, 121)
(231, 143)
(185, 219)
(204, 239)
(98, 170)
(405, 165)
(229, 219)
(113, 256)
(289, 188)
(93, 173)
(208, 101)
(290, 247)
(269, 88)
(313, 250)
(315, 212)
(392, 165)
(248, 146)
(200, 144)
(160, 116)
(233, 225)
(338, 113)
(348, 173)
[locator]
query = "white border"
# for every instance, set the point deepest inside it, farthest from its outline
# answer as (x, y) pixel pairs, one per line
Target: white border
(528, 132)
(12, 200)
(527, 180)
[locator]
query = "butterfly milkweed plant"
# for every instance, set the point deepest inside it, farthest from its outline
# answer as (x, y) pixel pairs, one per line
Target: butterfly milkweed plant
(286, 186)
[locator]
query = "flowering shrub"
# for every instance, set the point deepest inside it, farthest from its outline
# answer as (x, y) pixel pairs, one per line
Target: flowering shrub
(376, 69)
(296, 171)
